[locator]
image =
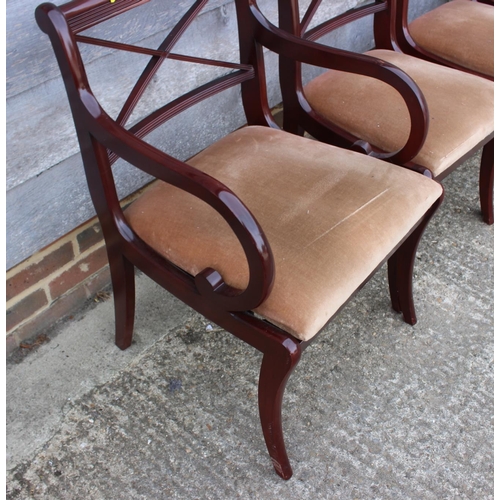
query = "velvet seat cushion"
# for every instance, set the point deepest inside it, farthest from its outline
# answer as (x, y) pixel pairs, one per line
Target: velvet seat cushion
(331, 217)
(460, 31)
(460, 108)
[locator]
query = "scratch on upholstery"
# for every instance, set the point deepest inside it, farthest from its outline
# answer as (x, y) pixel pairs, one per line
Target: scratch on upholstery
(345, 218)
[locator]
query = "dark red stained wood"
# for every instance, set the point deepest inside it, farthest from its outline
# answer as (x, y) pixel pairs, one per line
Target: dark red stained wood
(486, 182)
(103, 140)
(400, 270)
(83, 14)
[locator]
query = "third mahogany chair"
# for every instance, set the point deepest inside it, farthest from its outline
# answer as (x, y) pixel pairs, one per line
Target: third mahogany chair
(349, 107)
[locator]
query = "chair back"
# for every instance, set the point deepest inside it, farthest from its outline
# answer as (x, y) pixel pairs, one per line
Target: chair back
(103, 139)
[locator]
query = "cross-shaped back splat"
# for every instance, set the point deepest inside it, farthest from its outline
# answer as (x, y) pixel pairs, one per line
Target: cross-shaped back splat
(242, 72)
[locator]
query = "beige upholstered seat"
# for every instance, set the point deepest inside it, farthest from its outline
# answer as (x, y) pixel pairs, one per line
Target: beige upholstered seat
(331, 217)
(460, 31)
(460, 108)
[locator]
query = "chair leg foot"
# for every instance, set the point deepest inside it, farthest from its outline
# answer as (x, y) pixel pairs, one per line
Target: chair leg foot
(486, 182)
(123, 280)
(277, 365)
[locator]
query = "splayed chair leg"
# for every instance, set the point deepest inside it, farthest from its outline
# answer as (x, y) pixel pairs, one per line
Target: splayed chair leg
(277, 365)
(486, 182)
(400, 269)
(123, 280)
(401, 285)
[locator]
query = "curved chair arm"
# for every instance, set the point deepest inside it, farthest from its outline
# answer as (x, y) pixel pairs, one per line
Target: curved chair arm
(92, 118)
(297, 49)
(209, 282)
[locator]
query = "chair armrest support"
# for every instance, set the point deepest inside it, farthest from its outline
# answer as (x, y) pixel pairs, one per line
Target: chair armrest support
(209, 282)
(304, 51)
(91, 118)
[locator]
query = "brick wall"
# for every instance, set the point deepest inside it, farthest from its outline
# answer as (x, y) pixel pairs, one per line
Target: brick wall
(55, 282)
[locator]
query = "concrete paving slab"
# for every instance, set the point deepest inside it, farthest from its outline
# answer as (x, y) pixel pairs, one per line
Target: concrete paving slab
(375, 409)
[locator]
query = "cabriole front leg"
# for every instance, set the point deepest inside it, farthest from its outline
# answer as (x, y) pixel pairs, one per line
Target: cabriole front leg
(400, 270)
(277, 365)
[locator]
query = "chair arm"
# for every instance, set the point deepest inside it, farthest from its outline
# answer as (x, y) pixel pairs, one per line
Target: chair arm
(209, 282)
(92, 118)
(295, 48)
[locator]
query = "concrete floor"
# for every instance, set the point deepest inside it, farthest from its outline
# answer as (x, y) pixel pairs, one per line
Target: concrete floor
(376, 408)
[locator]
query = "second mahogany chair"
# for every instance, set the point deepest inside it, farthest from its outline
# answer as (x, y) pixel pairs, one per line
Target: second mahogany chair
(349, 107)
(264, 233)
(459, 34)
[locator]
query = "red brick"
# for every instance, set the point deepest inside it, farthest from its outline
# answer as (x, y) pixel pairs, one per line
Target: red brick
(60, 309)
(78, 273)
(25, 308)
(101, 280)
(36, 272)
(89, 237)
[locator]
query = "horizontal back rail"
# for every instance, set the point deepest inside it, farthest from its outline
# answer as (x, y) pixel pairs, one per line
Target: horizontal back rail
(165, 113)
(159, 53)
(84, 14)
(340, 20)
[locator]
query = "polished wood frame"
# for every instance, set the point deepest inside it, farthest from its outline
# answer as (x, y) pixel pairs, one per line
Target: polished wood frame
(299, 117)
(391, 32)
(103, 140)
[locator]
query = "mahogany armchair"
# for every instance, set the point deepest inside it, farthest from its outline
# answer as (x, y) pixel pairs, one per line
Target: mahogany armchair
(458, 34)
(354, 107)
(266, 234)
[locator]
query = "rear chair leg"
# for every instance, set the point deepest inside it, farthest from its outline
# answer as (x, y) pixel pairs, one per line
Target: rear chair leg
(277, 365)
(291, 122)
(486, 182)
(392, 270)
(400, 270)
(122, 278)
